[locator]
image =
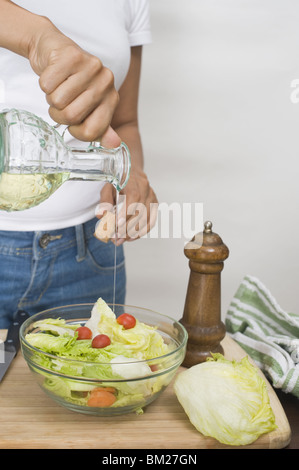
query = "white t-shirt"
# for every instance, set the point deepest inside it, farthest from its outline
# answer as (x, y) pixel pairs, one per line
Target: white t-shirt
(106, 29)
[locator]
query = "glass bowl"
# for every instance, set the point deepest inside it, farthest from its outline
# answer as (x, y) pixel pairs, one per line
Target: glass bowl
(72, 389)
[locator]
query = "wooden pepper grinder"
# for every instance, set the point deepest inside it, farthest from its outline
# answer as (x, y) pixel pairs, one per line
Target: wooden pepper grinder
(202, 311)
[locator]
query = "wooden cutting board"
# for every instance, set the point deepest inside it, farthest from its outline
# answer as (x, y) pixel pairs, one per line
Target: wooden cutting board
(31, 420)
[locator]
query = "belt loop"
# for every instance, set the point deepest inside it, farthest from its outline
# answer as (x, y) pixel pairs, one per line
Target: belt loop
(80, 238)
(35, 246)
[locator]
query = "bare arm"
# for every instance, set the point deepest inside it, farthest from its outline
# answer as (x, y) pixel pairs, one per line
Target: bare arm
(125, 118)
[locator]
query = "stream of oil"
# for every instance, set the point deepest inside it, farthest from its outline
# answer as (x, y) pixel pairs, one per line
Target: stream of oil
(115, 247)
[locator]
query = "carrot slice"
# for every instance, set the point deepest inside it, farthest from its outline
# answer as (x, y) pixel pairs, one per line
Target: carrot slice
(101, 398)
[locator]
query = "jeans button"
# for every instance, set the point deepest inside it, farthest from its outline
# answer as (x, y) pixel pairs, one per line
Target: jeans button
(44, 240)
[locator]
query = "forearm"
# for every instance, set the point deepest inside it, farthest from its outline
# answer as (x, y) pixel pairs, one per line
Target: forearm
(129, 133)
(125, 119)
(19, 28)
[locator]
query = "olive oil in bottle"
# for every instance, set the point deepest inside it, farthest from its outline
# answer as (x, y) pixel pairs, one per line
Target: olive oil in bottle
(20, 192)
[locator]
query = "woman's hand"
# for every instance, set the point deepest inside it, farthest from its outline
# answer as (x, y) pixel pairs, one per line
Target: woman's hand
(79, 89)
(137, 211)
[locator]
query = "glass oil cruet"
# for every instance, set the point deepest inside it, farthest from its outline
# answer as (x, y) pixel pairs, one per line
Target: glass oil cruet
(35, 161)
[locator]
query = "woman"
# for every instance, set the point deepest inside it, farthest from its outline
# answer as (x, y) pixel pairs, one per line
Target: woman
(79, 63)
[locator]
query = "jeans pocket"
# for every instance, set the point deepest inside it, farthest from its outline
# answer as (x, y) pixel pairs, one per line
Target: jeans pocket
(101, 256)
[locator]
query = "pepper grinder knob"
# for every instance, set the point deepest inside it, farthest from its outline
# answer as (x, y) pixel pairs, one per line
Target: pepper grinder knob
(208, 227)
(202, 311)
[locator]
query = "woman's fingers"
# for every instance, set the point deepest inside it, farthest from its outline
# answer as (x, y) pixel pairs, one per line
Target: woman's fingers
(79, 90)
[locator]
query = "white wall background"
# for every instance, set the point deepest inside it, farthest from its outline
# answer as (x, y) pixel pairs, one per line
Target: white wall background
(219, 128)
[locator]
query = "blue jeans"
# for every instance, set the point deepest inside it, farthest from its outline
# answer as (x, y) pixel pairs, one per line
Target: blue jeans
(41, 270)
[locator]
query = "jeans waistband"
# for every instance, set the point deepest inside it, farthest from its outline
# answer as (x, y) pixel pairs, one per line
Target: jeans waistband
(41, 243)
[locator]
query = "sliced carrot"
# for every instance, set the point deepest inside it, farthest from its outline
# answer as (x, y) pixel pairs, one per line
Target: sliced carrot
(101, 398)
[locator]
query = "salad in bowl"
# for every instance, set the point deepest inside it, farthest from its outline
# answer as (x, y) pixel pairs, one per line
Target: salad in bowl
(98, 360)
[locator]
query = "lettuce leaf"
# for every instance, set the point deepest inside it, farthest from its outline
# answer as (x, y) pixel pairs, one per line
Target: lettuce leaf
(56, 326)
(101, 312)
(48, 343)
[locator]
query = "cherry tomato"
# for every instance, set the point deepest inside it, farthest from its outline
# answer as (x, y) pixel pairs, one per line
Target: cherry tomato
(84, 332)
(100, 341)
(126, 320)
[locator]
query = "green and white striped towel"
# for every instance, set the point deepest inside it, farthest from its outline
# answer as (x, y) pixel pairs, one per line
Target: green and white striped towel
(268, 334)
